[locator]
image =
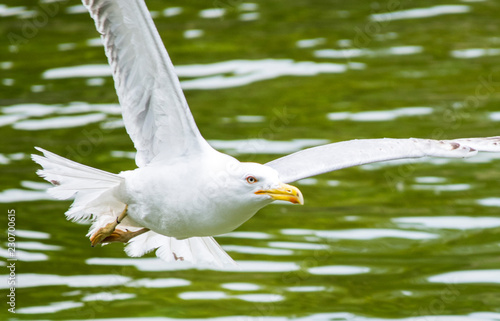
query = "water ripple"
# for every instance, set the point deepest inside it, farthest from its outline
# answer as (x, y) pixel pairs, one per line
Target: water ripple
(59, 122)
(216, 75)
(363, 234)
(203, 295)
(306, 288)
(256, 250)
(238, 286)
(261, 297)
(474, 53)
(448, 222)
(339, 270)
(159, 283)
(356, 52)
(264, 146)
(381, 115)
(51, 308)
(337, 316)
(418, 13)
(106, 296)
(466, 277)
(30, 280)
(154, 264)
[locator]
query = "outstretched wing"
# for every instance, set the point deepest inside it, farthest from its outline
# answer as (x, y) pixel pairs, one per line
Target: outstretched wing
(331, 157)
(155, 111)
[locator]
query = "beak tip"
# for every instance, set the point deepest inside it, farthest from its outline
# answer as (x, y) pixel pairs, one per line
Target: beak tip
(300, 199)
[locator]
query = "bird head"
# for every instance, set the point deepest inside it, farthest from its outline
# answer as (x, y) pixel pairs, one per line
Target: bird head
(229, 192)
(261, 183)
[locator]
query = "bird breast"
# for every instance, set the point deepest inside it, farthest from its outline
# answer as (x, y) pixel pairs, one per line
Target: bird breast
(180, 201)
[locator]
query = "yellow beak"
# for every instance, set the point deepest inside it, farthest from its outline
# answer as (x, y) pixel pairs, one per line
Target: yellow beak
(285, 192)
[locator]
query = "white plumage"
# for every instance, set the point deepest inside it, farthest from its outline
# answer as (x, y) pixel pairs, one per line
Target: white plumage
(92, 189)
(183, 191)
(331, 157)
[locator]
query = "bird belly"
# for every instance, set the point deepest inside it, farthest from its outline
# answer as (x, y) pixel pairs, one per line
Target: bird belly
(178, 213)
(182, 224)
(179, 201)
(162, 221)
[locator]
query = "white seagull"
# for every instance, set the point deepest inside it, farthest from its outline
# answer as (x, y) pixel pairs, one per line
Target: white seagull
(184, 192)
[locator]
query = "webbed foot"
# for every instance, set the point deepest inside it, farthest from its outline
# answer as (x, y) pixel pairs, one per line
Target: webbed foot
(101, 234)
(123, 236)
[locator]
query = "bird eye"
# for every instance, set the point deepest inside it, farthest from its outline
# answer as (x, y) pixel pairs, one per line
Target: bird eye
(251, 180)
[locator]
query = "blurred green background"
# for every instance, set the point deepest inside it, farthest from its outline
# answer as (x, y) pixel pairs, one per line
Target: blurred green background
(415, 240)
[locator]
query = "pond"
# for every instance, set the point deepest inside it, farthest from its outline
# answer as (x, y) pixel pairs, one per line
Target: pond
(403, 240)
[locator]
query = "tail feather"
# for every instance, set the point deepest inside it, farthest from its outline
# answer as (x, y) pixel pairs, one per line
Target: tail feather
(70, 177)
(92, 189)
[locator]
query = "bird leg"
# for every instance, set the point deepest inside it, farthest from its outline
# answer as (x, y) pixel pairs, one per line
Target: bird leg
(101, 234)
(123, 236)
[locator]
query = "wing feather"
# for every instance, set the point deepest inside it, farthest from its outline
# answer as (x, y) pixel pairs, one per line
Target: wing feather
(326, 158)
(155, 111)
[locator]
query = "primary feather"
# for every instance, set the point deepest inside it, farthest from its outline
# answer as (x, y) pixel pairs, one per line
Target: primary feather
(155, 111)
(326, 158)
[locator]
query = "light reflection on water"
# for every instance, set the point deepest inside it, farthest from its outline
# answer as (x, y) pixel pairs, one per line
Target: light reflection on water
(475, 276)
(51, 308)
(355, 52)
(380, 115)
(213, 76)
(421, 12)
(479, 316)
(363, 234)
(475, 53)
(449, 222)
(240, 286)
(74, 281)
(59, 122)
(154, 264)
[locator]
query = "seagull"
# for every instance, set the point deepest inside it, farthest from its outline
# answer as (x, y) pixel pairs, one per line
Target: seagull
(184, 192)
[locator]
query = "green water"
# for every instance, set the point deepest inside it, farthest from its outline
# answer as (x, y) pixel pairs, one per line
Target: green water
(353, 252)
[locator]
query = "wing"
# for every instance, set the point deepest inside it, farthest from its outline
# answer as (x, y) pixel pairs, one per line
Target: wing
(155, 111)
(331, 157)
